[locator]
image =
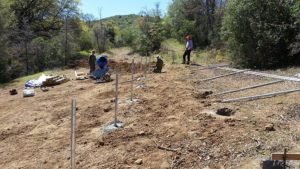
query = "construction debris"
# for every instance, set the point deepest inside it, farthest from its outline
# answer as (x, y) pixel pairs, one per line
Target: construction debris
(55, 80)
(81, 75)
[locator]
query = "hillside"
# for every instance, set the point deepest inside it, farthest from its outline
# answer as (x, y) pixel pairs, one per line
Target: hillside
(123, 21)
(171, 125)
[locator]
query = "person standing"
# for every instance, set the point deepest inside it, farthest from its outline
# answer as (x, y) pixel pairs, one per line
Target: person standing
(188, 49)
(92, 62)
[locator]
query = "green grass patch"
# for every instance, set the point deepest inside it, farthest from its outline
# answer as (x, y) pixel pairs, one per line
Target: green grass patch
(81, 54)
(172, 51)
(22, 80)
(173, 44)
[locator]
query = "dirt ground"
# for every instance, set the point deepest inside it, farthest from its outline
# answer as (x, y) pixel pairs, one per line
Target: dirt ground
(171, 126)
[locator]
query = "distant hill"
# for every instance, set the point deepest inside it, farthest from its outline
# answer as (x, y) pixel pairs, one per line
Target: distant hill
(123, 21)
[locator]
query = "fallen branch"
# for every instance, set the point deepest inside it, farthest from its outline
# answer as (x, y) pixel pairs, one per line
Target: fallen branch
(173, 165)
(164, 148)
(167, 149)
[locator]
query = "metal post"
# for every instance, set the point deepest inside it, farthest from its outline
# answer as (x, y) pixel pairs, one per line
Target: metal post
(73, 133)
(149, 63)
(284, 159)
(132, 78)
(116, 100)
(146, 67)
(141, 67)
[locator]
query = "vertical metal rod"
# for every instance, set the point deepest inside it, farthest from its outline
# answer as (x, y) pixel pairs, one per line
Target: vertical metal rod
(284, 159)
(146, 67)
(141, 67)
(132, 78)
(73, 113)
(149, 63)
(116, 99)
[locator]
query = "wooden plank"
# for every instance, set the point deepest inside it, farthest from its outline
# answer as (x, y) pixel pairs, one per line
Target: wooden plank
(289, 156)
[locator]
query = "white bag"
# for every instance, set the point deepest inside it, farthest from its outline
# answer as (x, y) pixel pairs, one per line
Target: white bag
(28, 93)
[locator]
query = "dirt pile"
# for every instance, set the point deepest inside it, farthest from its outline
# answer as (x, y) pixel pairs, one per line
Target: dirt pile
(120, 66)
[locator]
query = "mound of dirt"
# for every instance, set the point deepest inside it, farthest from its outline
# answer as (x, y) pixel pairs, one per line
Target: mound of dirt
(120, 66)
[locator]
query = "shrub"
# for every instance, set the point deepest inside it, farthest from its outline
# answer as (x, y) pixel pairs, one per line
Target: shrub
(259, 32)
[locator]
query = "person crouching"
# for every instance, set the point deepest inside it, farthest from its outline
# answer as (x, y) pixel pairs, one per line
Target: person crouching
(159, 65)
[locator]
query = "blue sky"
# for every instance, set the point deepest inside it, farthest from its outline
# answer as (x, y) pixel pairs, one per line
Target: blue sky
(120, 7)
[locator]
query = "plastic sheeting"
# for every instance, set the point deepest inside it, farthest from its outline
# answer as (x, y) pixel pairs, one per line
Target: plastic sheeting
(37, 82)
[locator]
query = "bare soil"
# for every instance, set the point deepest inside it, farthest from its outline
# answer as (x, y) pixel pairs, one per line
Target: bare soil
(169, 126)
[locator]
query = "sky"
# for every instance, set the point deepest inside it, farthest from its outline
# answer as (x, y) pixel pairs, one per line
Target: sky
(120, 7)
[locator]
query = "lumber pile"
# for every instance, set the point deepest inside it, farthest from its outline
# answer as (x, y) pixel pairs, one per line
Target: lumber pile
(55, 80)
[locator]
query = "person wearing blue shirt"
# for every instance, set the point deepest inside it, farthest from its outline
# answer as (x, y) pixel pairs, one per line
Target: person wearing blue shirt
(188, 49)
(102, 62)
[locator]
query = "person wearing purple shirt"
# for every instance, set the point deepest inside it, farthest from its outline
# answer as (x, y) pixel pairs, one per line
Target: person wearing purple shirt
(188, 49)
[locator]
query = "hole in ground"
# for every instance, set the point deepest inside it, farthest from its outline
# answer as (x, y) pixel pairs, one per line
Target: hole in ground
(225, 112)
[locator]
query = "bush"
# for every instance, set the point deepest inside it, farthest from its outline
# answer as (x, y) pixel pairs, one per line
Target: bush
(81, 54)
(259, 32)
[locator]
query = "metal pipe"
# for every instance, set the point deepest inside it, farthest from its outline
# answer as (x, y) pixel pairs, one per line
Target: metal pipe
(258, 96)
(146, 67)
(263, 74)
(116, 100)
(149, 63)
(73, 109)
(216, 77)
(250, 87)
(132, 78)
(209, 67)
(141, 66)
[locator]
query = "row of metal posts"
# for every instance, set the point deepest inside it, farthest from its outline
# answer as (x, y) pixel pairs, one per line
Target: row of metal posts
(73, 107)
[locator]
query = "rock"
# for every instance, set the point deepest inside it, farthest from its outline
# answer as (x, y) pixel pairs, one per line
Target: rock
(141, 133)
(207, 105)
(112, 100)
(269, 127)
(100, 143)
(107, 109)
(139, 161)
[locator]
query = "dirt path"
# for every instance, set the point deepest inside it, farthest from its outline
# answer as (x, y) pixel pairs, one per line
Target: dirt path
(170, 125)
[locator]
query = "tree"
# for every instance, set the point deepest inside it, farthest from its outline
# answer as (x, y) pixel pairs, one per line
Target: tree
(150, 31)
(199, 18)
(295, 46)
(4, 55)
(259, 32)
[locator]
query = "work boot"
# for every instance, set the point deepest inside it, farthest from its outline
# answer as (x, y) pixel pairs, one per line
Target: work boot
(183, 62)
(188, 62)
